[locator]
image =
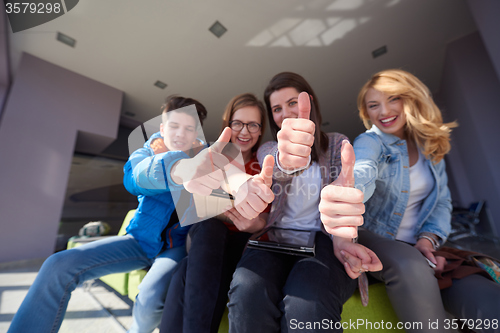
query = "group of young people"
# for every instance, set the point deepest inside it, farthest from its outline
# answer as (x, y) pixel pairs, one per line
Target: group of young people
(392, 181)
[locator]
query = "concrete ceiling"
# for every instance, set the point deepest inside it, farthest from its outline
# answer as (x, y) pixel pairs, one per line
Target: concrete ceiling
(131, 44)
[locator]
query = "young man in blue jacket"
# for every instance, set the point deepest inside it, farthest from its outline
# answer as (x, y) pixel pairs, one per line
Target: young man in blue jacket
(157, 173)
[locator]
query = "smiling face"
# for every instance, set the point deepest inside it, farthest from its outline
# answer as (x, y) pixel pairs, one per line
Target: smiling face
(386, 112)
(284, 104)
(179, 131)
(244, 139)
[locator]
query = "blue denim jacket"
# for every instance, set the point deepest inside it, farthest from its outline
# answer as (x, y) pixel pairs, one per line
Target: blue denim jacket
(382, 172)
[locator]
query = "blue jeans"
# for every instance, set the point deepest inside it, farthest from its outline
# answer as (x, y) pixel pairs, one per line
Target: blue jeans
(148, 307)
(45, 304)
(274, 292)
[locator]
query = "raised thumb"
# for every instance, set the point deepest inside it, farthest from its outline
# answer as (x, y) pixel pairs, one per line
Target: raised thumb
(304, 105)
(348, 159)
(222, 141)
(267, 170)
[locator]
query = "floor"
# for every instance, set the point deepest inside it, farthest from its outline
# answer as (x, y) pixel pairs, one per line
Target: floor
(93, 308)
(96, 308)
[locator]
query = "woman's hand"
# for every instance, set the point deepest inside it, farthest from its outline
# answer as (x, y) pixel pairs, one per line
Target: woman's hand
(252, 197)
(341, 204)
(244, 224)
(426, 248)
(355, 257)
(296, 137)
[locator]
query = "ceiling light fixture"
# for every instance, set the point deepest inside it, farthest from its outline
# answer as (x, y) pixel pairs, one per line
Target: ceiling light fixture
(66, 39)
(380, 51)
(217, 29)
(160, 84)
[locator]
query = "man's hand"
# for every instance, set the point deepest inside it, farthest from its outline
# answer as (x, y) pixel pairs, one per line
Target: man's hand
(355, 257)
(203, 173)
(341, 205)
(296, 137)
(252, 197)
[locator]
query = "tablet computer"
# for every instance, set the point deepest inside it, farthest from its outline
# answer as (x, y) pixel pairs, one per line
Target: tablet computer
(288, 241)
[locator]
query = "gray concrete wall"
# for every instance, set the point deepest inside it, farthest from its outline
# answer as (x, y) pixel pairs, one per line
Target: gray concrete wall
(470, 94)
(47, 108)
(485, 13)
(4, 58)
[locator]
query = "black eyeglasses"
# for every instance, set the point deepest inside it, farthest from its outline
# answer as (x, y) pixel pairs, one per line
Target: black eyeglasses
(238, 126)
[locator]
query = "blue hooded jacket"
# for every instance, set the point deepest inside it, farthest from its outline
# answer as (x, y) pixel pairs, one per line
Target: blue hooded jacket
(148, 177)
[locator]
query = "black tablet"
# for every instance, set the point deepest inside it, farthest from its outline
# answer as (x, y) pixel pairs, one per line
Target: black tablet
(289, 241)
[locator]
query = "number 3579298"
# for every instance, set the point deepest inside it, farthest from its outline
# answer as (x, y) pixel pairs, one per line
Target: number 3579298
(31, 7)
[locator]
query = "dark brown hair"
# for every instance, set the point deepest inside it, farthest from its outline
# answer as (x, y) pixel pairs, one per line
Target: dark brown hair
(242, 101)
(174, 102)
(293, 80)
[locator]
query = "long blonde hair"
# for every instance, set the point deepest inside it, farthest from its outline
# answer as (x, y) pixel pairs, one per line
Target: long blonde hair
(424, 122)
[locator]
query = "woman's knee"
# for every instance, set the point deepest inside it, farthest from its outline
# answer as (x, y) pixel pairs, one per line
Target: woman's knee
(253, 301)
(406, 259)
(314, 288)
(245, 283)
(407, 265)
(248, 287)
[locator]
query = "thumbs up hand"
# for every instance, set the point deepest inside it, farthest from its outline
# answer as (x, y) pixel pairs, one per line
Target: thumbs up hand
(203, 173)
(252, 197)
(296, 137)
(341, 204)
(266, 174)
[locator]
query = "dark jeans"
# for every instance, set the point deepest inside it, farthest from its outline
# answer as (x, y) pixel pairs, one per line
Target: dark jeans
(273, 292)
(197, 295)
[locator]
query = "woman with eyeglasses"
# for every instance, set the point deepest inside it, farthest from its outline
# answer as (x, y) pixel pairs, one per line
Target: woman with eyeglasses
(197, 294)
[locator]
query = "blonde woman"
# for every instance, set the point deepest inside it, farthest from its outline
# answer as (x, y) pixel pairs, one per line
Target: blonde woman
(401, 172)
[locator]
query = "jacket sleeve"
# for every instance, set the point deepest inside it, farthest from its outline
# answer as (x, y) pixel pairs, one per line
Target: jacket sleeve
(367, 150)
(149, 174)
(439, 220)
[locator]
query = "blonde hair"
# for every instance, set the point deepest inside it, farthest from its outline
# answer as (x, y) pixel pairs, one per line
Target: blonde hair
(424, 122)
